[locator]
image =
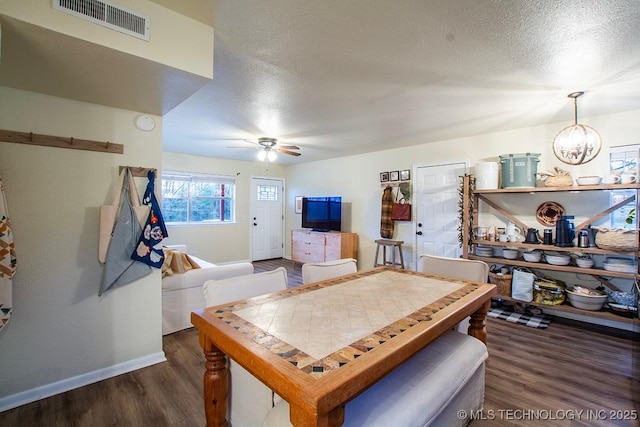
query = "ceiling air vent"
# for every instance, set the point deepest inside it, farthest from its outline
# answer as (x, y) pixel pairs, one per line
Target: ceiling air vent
(108, 15)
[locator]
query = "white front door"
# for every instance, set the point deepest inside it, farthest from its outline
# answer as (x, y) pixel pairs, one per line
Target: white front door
(267, 219)
(436, 198)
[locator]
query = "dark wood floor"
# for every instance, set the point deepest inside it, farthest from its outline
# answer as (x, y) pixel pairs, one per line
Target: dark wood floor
(548, 373)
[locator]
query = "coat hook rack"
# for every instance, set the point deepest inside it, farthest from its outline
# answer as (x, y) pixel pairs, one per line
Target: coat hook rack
(138, 171)
(60, 142)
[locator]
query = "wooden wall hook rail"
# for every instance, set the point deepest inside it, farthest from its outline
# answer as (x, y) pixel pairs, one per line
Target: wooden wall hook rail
(59, 142)
(139, 171)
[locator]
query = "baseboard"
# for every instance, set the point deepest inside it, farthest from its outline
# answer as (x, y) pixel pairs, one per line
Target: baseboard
(42, 392)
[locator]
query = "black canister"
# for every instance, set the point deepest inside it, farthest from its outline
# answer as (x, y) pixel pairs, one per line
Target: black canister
(548, 237)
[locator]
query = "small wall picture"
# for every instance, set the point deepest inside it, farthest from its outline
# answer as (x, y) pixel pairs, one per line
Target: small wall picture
(384, 176)
(298, 204)
(394, 176)
(404, 175)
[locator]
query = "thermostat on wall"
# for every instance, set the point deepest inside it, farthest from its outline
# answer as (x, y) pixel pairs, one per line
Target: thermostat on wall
(145, 123)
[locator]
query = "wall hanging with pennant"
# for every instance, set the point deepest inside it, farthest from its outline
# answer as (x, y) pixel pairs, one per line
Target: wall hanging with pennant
(149, 248)
(7, 260)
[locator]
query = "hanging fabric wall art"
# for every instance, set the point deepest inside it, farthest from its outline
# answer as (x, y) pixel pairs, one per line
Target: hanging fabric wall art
(7, 260)
(119, 268)
(149, 248)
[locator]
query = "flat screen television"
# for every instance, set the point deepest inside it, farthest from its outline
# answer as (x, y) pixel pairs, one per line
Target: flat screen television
(322, 213)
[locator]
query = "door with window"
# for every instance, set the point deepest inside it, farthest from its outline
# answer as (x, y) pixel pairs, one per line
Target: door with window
(267, 219)
(436, 198)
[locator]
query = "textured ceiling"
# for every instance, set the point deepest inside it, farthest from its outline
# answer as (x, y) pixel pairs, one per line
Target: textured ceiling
(345, 77)
(339, 78)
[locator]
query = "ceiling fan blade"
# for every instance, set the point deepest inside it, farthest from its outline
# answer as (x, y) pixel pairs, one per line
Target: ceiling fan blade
(288, 147)
(291, 153)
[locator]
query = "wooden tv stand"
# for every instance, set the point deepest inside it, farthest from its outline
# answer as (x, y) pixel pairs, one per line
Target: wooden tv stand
(319, 246)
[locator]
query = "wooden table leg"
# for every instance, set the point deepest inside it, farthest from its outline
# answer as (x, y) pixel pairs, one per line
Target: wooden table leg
(215, 383)
(477, 324)
(300, 417)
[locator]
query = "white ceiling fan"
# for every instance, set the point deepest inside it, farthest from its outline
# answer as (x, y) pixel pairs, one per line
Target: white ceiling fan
(269, 146)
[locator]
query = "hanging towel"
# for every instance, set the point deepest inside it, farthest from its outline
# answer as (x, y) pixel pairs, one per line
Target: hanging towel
(7, 260)
(149, 248)
(386, 223)
(119, 268)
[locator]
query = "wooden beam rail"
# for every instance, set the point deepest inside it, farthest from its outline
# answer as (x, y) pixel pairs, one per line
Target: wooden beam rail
(60, 142)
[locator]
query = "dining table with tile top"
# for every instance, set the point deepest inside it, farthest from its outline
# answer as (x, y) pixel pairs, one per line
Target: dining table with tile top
(320, 345)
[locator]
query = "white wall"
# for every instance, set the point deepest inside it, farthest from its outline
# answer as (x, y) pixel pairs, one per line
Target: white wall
(356, 178)
(60, 329)
(170, 33)
(220, 243)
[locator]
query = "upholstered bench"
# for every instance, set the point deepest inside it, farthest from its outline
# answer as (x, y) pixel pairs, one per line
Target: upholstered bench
(430, 389)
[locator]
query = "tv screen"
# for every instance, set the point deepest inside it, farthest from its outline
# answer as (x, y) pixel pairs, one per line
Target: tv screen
(322, 213)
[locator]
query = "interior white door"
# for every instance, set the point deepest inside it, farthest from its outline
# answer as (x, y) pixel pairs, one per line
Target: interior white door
(436, 198)
(267, 219)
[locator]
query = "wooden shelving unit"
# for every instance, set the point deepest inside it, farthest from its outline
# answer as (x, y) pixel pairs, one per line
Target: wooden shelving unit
(480, 196)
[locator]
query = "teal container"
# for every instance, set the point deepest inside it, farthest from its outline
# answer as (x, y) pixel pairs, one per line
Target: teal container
(519, 170)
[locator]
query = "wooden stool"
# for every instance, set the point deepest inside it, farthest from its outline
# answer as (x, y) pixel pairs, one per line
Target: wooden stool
(394, 244)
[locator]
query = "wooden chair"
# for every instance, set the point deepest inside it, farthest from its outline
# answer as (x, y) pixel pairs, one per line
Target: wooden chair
(457, 268)
(249, 400)
(317, 271)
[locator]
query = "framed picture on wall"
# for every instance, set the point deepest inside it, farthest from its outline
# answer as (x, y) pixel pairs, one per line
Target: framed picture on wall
(404, 175)
(394, 176)
(298, 204)
(384, 176)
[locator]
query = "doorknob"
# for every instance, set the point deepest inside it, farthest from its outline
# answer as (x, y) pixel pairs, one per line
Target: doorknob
(419, 233)
(255, 224)
(419, 224)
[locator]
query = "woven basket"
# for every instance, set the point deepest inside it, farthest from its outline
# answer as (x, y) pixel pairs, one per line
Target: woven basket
(620, 239)
(558, 181)
(502, 282)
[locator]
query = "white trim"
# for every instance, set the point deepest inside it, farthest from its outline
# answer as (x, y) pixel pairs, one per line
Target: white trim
(42, 392)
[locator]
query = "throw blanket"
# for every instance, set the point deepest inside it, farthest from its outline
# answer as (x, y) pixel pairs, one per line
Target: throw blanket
(177, 262)
(386, 223)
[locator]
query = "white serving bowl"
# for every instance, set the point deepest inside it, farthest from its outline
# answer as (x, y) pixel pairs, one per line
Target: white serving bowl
(586, 302)
(557, 259)
(532, 256)
(510, 253)
(588, 180)
(584, 262)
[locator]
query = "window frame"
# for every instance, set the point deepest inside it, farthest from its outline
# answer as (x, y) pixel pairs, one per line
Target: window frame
(192, 178)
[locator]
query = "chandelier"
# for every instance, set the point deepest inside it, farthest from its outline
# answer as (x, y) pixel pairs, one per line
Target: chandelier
(576, 144)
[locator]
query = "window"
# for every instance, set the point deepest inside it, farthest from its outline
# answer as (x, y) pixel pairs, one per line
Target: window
(198, 198)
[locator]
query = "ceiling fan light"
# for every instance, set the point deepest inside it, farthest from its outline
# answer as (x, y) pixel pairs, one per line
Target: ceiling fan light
(271, 155)
(262, 155)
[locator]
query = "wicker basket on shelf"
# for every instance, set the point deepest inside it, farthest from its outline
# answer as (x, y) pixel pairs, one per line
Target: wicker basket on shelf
(502, 282)
(616, 239)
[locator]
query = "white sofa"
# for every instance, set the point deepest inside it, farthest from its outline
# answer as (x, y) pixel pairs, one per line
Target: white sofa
(182, 293)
